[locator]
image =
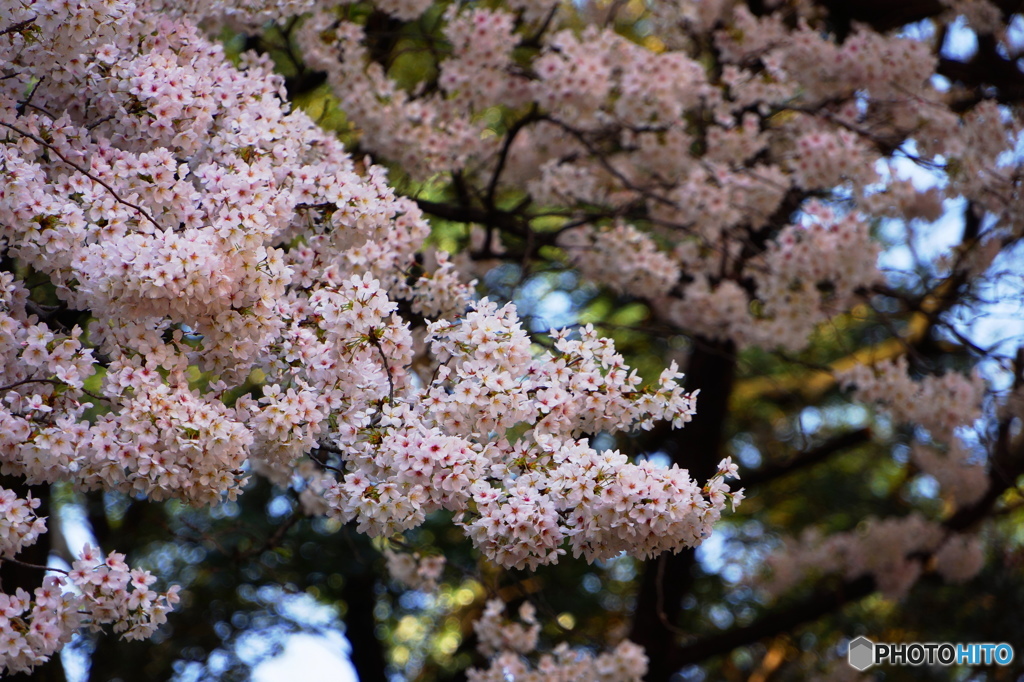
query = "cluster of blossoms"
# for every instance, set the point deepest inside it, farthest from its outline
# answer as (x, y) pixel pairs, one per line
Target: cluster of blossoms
(444, 446)
(961, 477)
(97, 592)
(890, 550)
(507, 643)
(495, 633)
(209, 230)
(628, 259)
(810, 65)
(805, 277)
(164, 440)
(424, 137)
(19, 524)
(601, 121)
(482, 41)
(414, 571)
(940, 404)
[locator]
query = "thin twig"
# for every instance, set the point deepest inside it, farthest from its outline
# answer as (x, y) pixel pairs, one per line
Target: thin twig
(98, 123)
(534, 40)
(607, 165)
(38, 567)
(83, 171)
(659, 586)
(510, 137)
(16, 384)
(17, 27)
(275, 539)
(28, 98)
(53, 382)
(372, 336)
(323, 463)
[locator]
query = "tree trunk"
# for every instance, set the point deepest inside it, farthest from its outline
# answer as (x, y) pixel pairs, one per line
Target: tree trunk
(668, 578)
(361, 626)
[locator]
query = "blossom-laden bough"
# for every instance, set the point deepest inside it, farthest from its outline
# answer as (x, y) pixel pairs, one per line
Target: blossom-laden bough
(226, 292)
(201, 224)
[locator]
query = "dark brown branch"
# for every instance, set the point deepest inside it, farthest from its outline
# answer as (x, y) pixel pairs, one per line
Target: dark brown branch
(470, 214)
(987, 69)
(510, 137)
(23, 382)
(52, 382)
(323, 463)
(884, 15)
(18, 27)
(774, 470)
(812, 608)
(277, 536)
(507, 221)
(602, 158)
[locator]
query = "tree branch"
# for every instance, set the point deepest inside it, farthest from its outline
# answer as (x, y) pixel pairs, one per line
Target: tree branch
(1007, 466)
(774, 470)
(510, 136)
(810, 609)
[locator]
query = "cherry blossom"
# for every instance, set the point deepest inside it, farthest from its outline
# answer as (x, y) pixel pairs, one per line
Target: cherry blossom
(254, 301)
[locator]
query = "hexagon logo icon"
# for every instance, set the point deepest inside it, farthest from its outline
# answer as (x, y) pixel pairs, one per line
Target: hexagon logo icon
(862, 653)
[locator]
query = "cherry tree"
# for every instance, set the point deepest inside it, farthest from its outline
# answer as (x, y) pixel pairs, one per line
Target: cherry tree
(204, 286)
